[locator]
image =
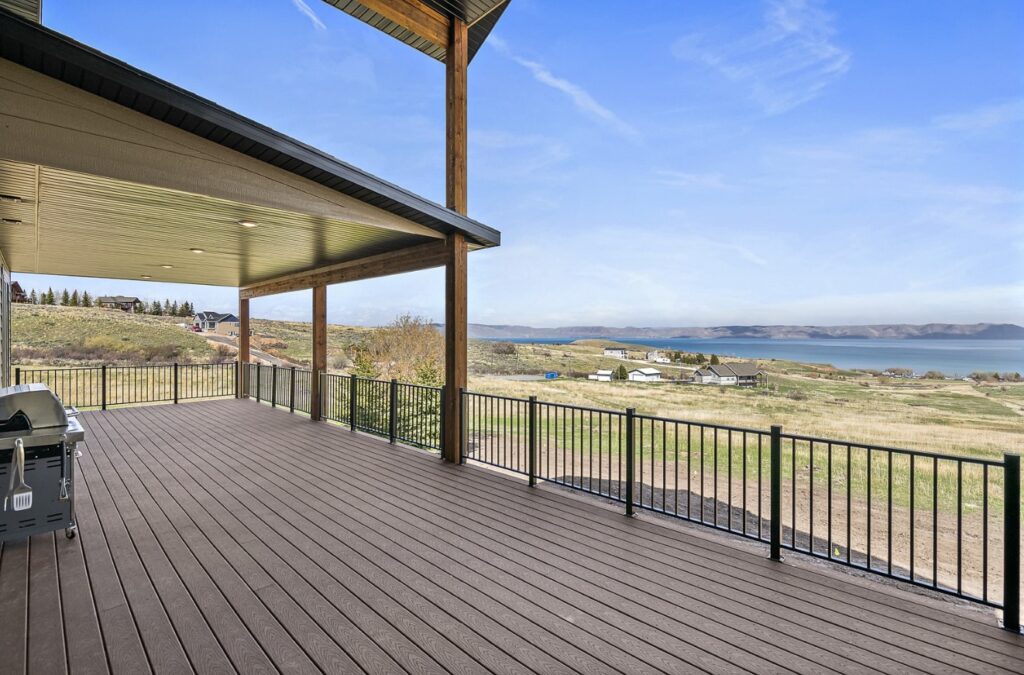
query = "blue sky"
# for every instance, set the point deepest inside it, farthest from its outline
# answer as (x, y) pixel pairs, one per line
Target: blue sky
(685, 163)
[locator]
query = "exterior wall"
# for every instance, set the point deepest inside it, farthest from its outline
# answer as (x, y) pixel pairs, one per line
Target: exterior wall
(5, 323)
(641, 377)
(228, 328)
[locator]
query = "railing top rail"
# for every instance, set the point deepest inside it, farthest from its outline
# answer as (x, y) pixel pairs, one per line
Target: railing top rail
(703, 425)
(883, 448)
(427, 387)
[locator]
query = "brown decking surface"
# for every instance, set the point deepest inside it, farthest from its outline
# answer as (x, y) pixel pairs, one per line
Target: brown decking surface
(225, 536)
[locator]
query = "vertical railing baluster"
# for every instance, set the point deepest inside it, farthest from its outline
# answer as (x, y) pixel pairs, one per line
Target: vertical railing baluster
(393, 411)
(291, 390)
(175, 381)
(630, 459)
(1011, 542)
(776, 493)
(273, 386)
(103, 388)
(353, 385)
(532, 460)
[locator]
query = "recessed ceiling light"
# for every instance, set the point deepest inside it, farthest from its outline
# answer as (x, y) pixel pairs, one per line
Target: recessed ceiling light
(146, 276)
(10, 199)
(10, 221)
(196, 250)
(167, 267)
(246, 223)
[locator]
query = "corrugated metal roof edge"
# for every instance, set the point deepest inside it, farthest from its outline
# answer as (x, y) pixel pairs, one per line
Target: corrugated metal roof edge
(68, 51)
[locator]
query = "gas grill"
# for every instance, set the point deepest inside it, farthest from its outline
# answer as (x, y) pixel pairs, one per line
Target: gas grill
(37, 462)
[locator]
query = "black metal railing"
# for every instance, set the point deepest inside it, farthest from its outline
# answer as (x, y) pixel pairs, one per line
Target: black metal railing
(399, 411)
(112, 385)
(946, 522)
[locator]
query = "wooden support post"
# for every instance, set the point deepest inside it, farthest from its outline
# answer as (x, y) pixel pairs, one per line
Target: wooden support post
(243, 347)
(455, 320)
(319, 349)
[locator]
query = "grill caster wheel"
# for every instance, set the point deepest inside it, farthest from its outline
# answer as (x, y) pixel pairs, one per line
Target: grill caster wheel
(70, 533)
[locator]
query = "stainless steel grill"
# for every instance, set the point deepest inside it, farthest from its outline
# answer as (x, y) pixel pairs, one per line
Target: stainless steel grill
(38, 439)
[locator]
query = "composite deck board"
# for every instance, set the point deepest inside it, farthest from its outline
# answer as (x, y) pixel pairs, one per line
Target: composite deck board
(225, 536)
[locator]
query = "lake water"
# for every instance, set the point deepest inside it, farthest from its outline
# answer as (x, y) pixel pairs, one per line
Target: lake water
(952, 357)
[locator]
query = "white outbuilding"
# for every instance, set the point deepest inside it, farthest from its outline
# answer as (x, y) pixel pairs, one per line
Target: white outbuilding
(645, 375)
(601, 376)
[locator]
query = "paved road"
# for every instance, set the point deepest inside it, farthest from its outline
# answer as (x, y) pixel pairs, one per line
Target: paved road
(254, 353)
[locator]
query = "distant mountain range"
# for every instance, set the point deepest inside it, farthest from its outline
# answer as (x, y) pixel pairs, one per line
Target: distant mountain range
(901, 331)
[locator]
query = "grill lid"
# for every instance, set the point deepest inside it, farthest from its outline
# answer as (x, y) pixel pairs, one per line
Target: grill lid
(30, 407)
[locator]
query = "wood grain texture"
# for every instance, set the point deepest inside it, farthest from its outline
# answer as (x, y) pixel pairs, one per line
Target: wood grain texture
(456, 344)
(319, 348)
(244, 336)
(419, 18)
(456, 101)
(220, 558)
(410, 259)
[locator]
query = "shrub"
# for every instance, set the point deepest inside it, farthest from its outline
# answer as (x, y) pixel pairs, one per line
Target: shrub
(503, 348)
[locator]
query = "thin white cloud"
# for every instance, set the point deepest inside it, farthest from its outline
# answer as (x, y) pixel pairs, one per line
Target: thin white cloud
(787, 61)
(983, 118)
(308, 11)
(700, 181)
(579, 96)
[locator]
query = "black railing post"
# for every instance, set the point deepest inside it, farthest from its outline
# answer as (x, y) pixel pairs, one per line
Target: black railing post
(1011, 543)
(776, 490)
(273, 386)
(533, 440)
(441, 423)
(17, 375)
(291, 391)
(259, 381)
(352, 402)
(462, 426)
(393, 411)
(175, 381)
(630, 459)
(238, 381)
(103, 387)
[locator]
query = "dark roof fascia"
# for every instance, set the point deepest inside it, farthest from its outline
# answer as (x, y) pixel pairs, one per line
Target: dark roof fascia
(58, 56)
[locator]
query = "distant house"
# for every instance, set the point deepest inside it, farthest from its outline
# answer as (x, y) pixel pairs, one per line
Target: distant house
(122, 302)
(602, 376)
(702, 376)
(740, 374)
(645, 375)
(18, 293)
(657, 357)
(215, 322)
(616, 352)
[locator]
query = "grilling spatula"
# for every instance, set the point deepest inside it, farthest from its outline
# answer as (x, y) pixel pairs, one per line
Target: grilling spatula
(19, 495)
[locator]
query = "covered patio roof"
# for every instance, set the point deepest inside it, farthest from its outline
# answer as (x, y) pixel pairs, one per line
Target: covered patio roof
(108, 171)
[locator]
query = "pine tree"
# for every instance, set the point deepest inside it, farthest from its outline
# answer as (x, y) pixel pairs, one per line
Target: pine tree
(622, 373)
(74, 298)
(48, 299)
(714, 360)
(156, 308)
(33, 298)
(86, 299)
(65, 299)
(174, 309)
(167, 307)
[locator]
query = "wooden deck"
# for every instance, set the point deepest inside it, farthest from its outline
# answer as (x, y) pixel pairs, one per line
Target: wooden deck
(225, 536)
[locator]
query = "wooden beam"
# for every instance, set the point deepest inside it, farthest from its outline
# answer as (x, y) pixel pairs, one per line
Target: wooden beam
(319, 348)
(419, 257)
(243, 347)
(456, 66)
(455, 345)
(455, 310)
(421, 19)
